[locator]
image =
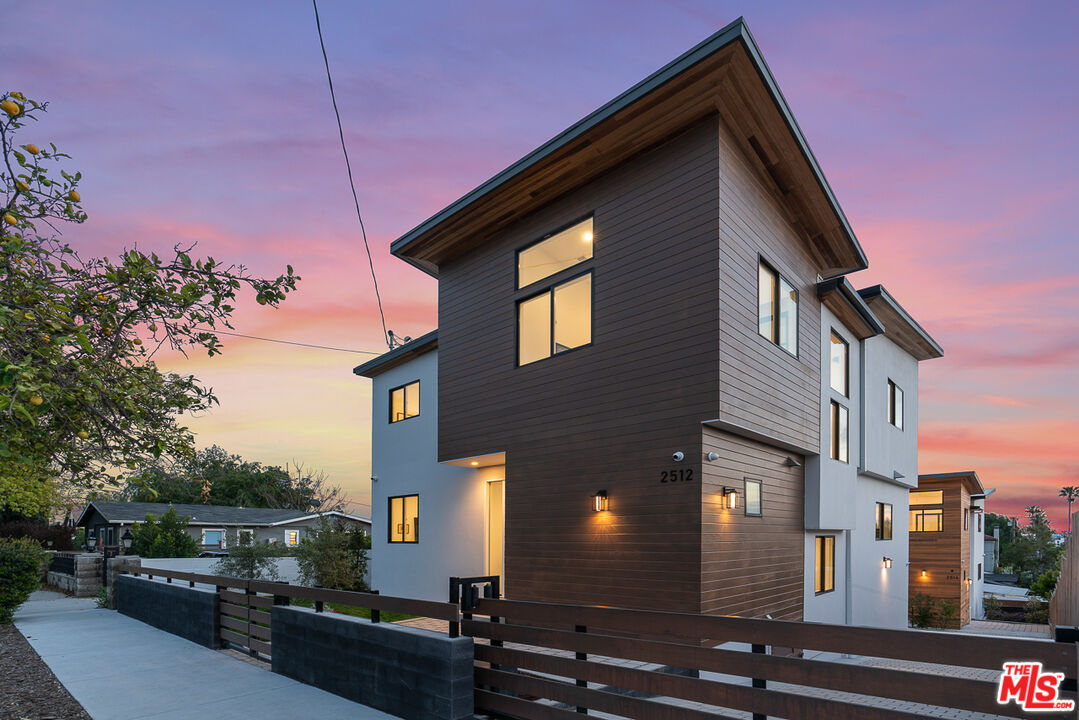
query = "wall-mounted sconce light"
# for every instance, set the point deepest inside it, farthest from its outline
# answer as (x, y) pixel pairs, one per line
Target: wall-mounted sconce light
(887, 562)
(678, 456)
(924, 575)
(791, 462)
(730, 498)
(475, 463)
(713, 456)
(599, 501)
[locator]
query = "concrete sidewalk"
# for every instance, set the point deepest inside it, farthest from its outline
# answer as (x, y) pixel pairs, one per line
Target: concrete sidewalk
(121, 668)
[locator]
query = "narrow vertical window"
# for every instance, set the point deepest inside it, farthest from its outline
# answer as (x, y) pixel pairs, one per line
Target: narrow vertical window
(895, 405)
(753, 497)
(766, 294)
(405, 402)
(840, 365)
(824, 563)
(777, 308)
(840, 445)
(404, 519)
(884, 521)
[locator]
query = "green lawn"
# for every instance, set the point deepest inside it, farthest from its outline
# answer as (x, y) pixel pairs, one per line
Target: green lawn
(384, 616)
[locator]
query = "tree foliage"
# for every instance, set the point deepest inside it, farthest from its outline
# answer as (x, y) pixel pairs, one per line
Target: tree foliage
(1031, 552)
(166, 537)
(214, 476)
(80, 393)
(249, 559)
(334, 555)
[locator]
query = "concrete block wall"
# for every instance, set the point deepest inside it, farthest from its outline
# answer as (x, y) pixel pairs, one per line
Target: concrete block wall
(414, 674)
(85, 582)
(191, 613)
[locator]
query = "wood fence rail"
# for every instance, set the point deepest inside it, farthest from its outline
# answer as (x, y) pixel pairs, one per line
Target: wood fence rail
(518, 665)
(1064, 605)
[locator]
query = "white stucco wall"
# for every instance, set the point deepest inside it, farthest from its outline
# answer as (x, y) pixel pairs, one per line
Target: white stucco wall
(828, 607)
(977, 555)
(879, 594)
(887, 449)
(451, 499)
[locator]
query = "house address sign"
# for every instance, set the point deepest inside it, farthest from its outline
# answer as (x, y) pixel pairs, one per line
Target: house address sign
(679, 475)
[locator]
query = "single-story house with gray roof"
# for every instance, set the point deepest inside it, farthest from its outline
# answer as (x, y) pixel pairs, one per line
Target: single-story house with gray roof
(210, 525)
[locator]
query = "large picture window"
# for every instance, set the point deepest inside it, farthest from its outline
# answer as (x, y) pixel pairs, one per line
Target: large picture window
(405, 402)
(555, 321)
(405, 519)
(927, 520)
(895, 405)
(824, 580)
(553, 254)
(840, 365)
(777, 308)
(840, 442)
(884, 521)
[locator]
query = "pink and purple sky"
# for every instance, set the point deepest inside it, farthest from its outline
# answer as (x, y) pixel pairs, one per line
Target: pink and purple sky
(947, 130)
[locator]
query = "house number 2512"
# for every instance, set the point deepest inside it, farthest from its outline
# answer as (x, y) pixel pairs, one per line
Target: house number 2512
(679, 475)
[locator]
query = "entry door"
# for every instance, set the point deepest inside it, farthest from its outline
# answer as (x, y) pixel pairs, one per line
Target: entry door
(496, 527)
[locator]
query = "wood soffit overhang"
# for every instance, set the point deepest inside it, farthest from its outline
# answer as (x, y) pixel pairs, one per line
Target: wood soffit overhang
(839, 296)
(902, 329)
(724, 74)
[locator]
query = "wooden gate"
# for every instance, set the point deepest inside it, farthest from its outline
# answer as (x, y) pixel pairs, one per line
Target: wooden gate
(245, 618)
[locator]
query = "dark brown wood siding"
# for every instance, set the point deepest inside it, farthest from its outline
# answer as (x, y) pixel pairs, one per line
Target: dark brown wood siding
(607, 416)
(761, 386)
(751, 566)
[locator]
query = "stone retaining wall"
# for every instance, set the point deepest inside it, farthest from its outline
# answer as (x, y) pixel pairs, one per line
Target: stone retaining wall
(85, 580)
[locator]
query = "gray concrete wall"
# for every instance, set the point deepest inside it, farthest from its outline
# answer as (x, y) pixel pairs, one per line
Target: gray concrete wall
(414, 674)
(287, 568)
(191, 613)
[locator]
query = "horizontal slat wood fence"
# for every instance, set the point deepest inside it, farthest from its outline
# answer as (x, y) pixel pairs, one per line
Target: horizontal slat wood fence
(1064, 605)
(244, 605)
(518, 665)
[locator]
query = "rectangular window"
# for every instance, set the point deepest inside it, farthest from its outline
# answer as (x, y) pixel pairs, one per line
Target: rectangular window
(555, 321)
(979, 571)
(840, 449)
(292, 538)
(927, 520)
(884, 521)
(966, 518)
(895, 405)
(405, 402)
(777, 308)
(554, 254)
(213, 538)
(927, 497)
(246, 536)
(840, 365)
(405, 519)
(825, 564)
(979, 522)
(753, 497)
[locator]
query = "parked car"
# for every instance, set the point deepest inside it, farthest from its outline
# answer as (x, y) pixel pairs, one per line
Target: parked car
(213, 554)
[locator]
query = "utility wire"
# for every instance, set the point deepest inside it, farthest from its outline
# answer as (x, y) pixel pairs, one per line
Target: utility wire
(289, 342)
(348, 166)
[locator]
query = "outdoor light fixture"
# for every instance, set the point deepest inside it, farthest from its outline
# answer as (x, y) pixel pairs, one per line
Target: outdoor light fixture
(599, 501)
(730, 498)
(713, 456)
(791, 462)
(127, 538)
(887, 561)
(90, 542)
(924, 576)
(475, 463)
(678, 456)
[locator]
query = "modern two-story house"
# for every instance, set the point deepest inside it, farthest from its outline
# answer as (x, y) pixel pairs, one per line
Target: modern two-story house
(652, 384)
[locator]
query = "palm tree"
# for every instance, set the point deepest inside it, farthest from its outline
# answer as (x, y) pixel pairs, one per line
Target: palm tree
(1071, 494)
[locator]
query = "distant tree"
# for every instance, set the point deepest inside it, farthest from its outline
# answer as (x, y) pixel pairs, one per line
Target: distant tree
(249, 559)
(1070, 493)
(334, 556)
(1045, 584)
(1032, 551)
(164, 538)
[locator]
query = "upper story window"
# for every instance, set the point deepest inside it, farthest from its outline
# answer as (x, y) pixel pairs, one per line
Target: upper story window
(895, 405)
(927, 497)
(405, 519)
(840, 431)
(884, 521)
(927, 519)
(559, 317)
(405, 402)
(777, 308)
(840, 365)
(553, 254)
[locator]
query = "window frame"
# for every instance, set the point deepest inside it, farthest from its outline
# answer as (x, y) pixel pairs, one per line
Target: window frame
(921, 511)
(404, 388)
(221, 545)
(549, 290)
(819, 545)
(389, 516)
(250, 532)
(780, 278)
(289, 532)
(517, 287)
(760, 497)
(893, 387)
(835, 411)
(880, 524)
(846, 363)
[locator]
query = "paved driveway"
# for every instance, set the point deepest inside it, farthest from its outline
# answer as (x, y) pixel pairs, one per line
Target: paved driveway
(122, 669)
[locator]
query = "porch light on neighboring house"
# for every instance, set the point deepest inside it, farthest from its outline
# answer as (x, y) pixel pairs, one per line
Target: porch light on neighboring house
(126, 539)
(599, 501)
(730, 498)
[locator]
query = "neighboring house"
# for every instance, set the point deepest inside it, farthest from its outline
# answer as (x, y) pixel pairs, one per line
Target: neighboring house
(210, 525)
(634, 397)
(992, 551)
(947, 541)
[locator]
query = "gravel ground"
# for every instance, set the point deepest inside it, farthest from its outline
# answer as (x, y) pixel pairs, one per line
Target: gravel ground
(28, 689)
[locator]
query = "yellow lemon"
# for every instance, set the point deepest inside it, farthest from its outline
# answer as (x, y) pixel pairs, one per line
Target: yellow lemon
(73, 196)
(83, 434)
(137, 341)
(10, 219)
(36, 400)
(10, 107)
(32, 149)
(21, 186)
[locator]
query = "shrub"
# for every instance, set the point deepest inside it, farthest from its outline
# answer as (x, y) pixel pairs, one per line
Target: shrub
(1043, 587)
(164, 538)
(20, 574)
(993, 609)
(59, 536)
(948, 613)
(1036, 611)
(79, 540)
(334, 556)
(922, 611)
(248, 559)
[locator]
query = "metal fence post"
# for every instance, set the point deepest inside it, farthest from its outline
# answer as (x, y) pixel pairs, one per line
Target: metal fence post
(455, 597)
(582, 656)
(759, 682)
(376, 615)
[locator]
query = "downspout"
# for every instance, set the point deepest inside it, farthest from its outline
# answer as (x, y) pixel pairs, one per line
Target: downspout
(849, 590)
(849, 616)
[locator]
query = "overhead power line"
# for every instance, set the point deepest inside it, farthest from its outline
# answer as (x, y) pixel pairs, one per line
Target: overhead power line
(290, 342)
(352, 184)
